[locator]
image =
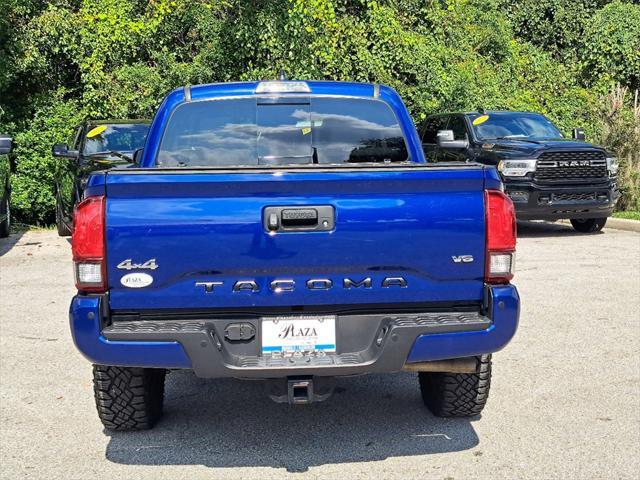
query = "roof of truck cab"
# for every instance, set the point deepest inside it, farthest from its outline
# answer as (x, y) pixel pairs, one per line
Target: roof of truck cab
(487, 112)
(214, 91)
(500, 112)
(144, 121)
(316, 87)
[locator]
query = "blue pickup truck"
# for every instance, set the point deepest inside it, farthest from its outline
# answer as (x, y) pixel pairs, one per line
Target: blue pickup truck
(291, 232)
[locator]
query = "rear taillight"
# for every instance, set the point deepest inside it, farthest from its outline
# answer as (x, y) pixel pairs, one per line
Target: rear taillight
(501, 237)
(87, 245)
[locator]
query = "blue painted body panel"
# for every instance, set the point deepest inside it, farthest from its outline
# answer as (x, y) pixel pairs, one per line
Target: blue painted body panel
(85, 314)
(506, 313)
(208, 227)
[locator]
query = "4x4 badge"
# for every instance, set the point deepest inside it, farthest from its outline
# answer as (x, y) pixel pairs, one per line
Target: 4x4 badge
(129, 265)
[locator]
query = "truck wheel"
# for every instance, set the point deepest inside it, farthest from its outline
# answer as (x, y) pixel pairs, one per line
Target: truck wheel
(457, 394)
(128, 398)
(588, 225)
(5, 225)
(63, 228)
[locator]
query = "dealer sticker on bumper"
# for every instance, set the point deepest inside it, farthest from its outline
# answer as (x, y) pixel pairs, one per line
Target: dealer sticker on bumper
(299, 334)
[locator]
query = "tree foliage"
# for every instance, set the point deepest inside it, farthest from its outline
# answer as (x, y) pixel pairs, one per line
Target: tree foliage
(558, 26)
(621, 132)
(612, 45)
(65, 60)
(601, 38)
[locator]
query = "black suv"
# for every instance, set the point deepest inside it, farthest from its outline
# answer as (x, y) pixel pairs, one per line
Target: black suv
(97, 145)
(6, 145)
(547, 176)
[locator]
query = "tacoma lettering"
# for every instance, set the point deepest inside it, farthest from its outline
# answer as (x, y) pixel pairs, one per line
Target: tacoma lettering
(288, 285)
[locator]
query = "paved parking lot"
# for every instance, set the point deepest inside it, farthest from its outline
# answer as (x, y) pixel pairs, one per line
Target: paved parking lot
(565, 399)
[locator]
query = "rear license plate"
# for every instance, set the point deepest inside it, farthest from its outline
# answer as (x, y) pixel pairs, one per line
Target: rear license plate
(298, 334)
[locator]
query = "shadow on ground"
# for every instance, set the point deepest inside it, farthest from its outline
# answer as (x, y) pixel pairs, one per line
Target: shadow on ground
(232, 423)
(9, 242)
(547, 229)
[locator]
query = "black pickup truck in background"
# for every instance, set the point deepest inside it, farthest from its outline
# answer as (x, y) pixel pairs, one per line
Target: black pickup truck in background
(547, 176)
(96, 145)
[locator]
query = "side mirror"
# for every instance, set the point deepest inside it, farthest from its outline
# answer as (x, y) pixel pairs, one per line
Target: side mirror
(62, 151)
(578, 134)
(445, 139)
(137, 156)
(6, 145)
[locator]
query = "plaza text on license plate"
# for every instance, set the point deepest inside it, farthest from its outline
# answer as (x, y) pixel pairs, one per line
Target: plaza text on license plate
(299, 334)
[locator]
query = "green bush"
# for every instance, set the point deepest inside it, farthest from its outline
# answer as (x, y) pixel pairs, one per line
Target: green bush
(65, 60)
(33, 184)
(620, 133)
(612, 46)
(555, 25)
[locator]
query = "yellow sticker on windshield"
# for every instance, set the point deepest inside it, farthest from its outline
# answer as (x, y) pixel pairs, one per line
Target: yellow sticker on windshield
(306, 130)
(94, 132)
(481, 119)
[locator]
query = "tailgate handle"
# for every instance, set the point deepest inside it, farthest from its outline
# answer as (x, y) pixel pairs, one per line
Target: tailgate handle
(310, 218)
(299, 217)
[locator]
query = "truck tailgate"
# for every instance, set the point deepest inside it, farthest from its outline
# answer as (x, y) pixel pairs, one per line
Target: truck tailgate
(411, 235)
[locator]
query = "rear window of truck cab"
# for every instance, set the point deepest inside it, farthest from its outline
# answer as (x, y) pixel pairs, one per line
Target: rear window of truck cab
(282, 131)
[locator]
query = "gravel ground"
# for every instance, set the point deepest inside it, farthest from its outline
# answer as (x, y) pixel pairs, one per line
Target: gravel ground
(565, 399)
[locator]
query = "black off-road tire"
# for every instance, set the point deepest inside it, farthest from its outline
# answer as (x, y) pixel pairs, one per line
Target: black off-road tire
(588, 225)
(63, 229)
(128, 398)
(457, 394)
(5, 225)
